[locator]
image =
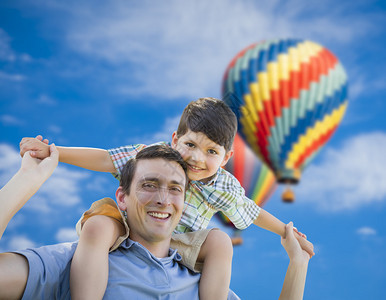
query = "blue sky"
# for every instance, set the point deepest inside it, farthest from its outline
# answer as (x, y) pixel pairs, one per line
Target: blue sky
(105, 74)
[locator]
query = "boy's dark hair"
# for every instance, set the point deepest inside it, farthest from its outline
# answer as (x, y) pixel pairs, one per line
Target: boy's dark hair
(152, 152)
(213, 118)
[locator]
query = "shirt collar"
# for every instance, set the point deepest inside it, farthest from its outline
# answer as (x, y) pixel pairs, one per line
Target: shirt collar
(172, 255)
(211, 181)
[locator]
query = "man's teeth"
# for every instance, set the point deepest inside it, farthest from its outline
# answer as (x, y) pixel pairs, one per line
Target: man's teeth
(159, 215)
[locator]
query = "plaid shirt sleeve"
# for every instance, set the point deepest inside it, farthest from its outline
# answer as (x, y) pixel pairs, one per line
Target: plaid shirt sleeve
(227, 195)
(121, 155)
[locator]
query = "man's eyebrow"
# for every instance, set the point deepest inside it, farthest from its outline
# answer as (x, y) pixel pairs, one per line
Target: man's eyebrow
(156, 179)
(153, 179)
(177, 182)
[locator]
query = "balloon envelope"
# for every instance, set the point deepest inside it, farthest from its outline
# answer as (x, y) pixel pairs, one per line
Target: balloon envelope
(289, 97)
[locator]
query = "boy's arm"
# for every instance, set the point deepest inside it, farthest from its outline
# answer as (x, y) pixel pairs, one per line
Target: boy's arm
(267, 221)
(89, 158)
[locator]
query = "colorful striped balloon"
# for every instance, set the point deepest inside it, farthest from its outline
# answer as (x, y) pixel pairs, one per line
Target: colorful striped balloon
(289, 97)
(256, 178)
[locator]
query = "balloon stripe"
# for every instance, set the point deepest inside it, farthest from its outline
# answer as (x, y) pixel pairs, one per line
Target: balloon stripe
(314, 134)
(296, 107)
(287, 89)
(239, 160)
(329, 128)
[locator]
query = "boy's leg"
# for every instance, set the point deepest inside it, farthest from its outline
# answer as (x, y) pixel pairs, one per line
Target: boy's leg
(89, 267)
(216, 255)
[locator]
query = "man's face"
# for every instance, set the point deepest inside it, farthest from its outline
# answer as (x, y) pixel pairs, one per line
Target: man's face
(203, 156)
(156, 200)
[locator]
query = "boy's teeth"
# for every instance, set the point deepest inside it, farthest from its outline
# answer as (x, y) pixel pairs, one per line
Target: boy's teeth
(159, 215)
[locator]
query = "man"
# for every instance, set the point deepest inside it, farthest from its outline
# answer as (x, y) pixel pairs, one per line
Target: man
(143, 267)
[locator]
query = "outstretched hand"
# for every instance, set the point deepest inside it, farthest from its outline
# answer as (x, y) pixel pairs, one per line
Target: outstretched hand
(45, 167)
(292, 246)
(38, 147)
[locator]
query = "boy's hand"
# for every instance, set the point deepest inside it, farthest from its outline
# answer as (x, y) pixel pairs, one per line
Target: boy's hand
(304, 243)
(38, 147)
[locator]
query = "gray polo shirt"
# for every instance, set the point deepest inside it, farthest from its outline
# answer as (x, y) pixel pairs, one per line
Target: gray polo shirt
(134, 273)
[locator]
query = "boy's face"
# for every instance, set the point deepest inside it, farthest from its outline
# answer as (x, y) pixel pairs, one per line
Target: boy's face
(202, 155)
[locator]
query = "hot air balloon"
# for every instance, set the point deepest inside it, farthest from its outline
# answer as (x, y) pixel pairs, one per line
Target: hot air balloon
(289, 96)
(257, 180)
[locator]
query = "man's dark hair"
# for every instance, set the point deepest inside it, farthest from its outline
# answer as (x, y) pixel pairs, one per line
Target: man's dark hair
(151, 152)
(213, 118)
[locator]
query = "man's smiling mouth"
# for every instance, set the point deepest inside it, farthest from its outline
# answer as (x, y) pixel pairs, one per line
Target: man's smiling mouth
(159, 215)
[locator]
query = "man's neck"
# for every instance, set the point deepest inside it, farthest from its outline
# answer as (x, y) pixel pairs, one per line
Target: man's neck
(159, 249)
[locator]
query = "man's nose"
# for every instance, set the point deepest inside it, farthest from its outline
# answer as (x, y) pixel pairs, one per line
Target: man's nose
(163, 196)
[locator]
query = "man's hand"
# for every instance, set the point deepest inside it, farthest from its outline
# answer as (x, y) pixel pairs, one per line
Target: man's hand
(43, 168)
(38, 147)
(292, 246)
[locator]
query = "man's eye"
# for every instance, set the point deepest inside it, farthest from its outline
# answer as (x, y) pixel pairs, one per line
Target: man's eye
(149, 186)
(176, 189)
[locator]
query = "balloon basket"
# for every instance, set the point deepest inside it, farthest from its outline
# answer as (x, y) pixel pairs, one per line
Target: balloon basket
(288, 196)
(237, 240)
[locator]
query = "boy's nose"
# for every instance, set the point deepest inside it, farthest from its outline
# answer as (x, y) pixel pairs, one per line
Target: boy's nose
(198, 156)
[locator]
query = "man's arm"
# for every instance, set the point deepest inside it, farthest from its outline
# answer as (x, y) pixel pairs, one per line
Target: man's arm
(88, 158)
(31, 175)
(295, 278)
(13, 275)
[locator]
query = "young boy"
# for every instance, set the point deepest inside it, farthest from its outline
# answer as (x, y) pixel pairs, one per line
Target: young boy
(204, 138)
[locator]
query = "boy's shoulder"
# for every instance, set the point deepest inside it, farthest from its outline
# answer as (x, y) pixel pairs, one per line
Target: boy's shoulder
(225, 180)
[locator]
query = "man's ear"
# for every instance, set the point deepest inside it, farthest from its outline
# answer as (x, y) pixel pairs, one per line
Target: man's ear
(174, 139)
(120, 196)
(227, 156)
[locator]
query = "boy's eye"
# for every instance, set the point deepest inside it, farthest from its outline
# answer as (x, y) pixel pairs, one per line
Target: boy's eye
(190, 145)
(211, 151)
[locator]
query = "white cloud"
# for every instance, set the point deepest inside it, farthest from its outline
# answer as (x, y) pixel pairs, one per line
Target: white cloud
(54, 129)
(171, 125)
(6, 53)
(9, 120)
(66, 235)
(191, 43)
(9, 162)
(12, 77)
(348, 177)
(20, 242)
(366, 231)
(46, 100)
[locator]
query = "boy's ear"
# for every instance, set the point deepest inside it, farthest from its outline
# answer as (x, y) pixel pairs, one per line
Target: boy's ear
(120, 196)
(174, 139)
(227, 156)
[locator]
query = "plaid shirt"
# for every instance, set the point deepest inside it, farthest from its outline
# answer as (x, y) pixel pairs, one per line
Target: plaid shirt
(223, 193)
